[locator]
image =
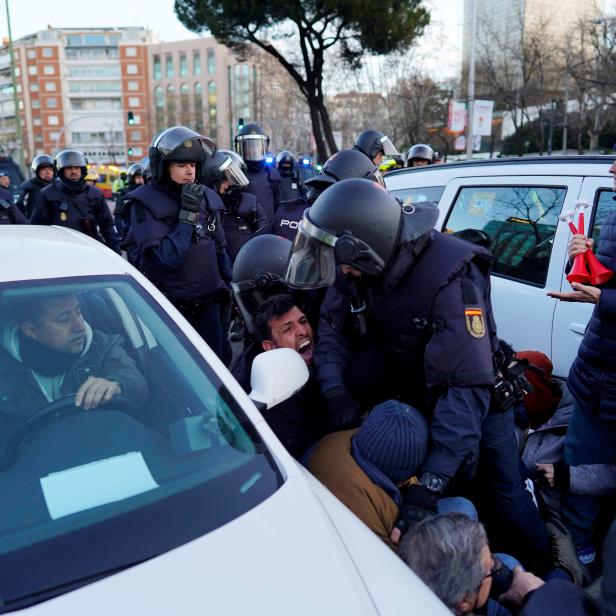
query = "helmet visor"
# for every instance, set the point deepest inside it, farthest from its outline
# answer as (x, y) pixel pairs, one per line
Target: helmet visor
(252, 147)
(389, 149)
(312, 263)
(232, 172)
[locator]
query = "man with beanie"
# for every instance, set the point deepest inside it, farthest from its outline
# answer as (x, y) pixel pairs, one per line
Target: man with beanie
(365, 467)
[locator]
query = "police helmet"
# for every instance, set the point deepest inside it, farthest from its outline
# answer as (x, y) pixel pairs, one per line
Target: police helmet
(178, 144)
(370, 142)
(258, 273)
(135, 169)
(355, 222)
(71, 158)
(40, 161)
(344, 165)
(224, 165)
(285, 161)
(237, 158)
(420, 151)
(251, 143)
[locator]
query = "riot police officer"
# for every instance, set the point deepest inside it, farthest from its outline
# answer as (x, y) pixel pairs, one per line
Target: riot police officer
(429, 340)
(121, 212)
(176, 237)
(290, 185)
(243, 216)
(374, 144)
(251, 143)
(419, 155)
(43, 172)
(70, 202)
(10, 214)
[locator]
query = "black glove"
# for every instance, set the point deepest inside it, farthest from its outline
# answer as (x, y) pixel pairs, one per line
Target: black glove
(342, 411)
(190, 199)
(418, 503)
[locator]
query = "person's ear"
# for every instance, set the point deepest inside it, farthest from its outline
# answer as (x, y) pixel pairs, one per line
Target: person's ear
(466, 606)
(27, 329)
(268, 345)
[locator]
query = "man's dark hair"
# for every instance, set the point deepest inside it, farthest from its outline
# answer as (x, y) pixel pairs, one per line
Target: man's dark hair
(271, 308)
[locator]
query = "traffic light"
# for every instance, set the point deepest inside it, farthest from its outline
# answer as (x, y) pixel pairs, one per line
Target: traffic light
(131, 118)
(240, 123)
(129, 151)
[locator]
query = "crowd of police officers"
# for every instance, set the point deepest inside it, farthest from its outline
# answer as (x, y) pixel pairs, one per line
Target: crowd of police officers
(399, 310)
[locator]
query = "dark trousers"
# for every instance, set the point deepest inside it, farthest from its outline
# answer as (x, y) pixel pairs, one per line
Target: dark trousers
(589, 440)
(208, 324)
(514, 522)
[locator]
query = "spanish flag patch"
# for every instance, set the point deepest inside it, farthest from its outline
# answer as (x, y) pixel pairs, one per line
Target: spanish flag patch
(475, 325)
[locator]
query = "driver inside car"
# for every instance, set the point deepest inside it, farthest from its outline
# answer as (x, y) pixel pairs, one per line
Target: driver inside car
(49, 351)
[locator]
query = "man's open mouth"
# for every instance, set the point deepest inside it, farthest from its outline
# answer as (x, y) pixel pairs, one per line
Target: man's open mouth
(305, 350)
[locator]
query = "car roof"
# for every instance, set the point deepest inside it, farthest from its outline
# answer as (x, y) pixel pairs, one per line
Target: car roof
(39, 252)
(439, 175)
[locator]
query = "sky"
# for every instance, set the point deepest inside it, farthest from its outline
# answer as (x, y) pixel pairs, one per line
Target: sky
(444, 34)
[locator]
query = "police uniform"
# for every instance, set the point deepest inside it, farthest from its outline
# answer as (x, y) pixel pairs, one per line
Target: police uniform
(243, 216)
(286, 218)
(10, 214)
(29, 192)
(121, 212)
(290, 187)
(265, 186)
(189, 264)
(79, 206)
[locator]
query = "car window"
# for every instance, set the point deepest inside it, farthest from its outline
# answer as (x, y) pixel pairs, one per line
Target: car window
(166, 458)
(605, 205)
(418, 195)
(520, 222)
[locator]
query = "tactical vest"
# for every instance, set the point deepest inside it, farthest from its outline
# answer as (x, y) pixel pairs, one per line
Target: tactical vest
(199, 275)
(290, 188)
(261, 185)
(239, 223)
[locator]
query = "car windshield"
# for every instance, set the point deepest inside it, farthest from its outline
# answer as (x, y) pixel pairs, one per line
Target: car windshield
(118, 441)
(419, 194)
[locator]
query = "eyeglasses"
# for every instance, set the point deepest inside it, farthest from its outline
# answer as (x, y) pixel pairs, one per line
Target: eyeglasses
(497, 567)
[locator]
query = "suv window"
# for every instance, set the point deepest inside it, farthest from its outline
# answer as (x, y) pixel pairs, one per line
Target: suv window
(418, 195)
(604, 207)
(520, 222)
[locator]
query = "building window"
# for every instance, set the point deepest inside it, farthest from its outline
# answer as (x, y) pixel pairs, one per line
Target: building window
(199, 107)
(36, 104)
(94, 39)
(47, 52)
(17, 71)
(136, 135)
(133, 86)
(53, 120)
(159, 104)
(211, 61)
(34, 87)
(183, 65)
(171, 104)
(36, 121)
(54, 136)
(133, 101)
(184, 105)
(132, 69)
(196, 63)
(131, 52)
(169, 66)
(50, 86)
(159, 97)
(52, 103)
(49, 69)
(31, 54)
(212, 106)
(32, 70)
(156, 68)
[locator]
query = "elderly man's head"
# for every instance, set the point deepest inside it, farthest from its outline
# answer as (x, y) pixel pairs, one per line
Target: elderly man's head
(281, 324)
(55, 322)
(450, 553)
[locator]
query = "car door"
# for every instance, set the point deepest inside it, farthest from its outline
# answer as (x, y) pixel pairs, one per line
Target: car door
(519, 217)
(570, 319)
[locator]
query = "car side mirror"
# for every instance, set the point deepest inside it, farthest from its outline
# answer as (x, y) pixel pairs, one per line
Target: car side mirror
(276, 375)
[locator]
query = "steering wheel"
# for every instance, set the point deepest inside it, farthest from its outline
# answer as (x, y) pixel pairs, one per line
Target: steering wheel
(55, 410)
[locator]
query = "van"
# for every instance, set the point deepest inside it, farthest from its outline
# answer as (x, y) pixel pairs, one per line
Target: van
(517, 203)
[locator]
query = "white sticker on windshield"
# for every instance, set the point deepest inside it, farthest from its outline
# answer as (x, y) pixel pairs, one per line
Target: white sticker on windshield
(97, 483)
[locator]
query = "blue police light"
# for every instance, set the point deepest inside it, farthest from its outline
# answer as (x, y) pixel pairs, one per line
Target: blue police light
(305, 161)
(269, 160)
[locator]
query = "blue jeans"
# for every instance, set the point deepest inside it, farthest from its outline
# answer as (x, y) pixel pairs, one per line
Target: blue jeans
(589, 440)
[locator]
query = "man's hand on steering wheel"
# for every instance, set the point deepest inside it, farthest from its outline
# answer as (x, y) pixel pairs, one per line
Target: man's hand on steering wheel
(96, 391)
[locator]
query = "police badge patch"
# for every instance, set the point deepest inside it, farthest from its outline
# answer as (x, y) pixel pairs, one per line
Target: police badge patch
(475, 325)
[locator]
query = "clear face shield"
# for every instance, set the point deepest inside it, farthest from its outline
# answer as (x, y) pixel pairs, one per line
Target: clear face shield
(249, 295)
(252, 148)
(389, 149)
(233, 174)
(313, 261)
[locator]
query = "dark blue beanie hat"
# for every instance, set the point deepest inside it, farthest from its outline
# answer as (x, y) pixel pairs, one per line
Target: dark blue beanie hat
(394, 439)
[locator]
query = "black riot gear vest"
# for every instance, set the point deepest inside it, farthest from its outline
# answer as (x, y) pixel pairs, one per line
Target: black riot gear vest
(240, 220)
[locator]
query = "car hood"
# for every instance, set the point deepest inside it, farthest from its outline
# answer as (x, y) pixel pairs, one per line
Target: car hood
(299, 552)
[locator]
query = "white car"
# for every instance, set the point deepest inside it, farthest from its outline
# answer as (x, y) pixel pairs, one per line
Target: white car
(517, 203)
(186, 504)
